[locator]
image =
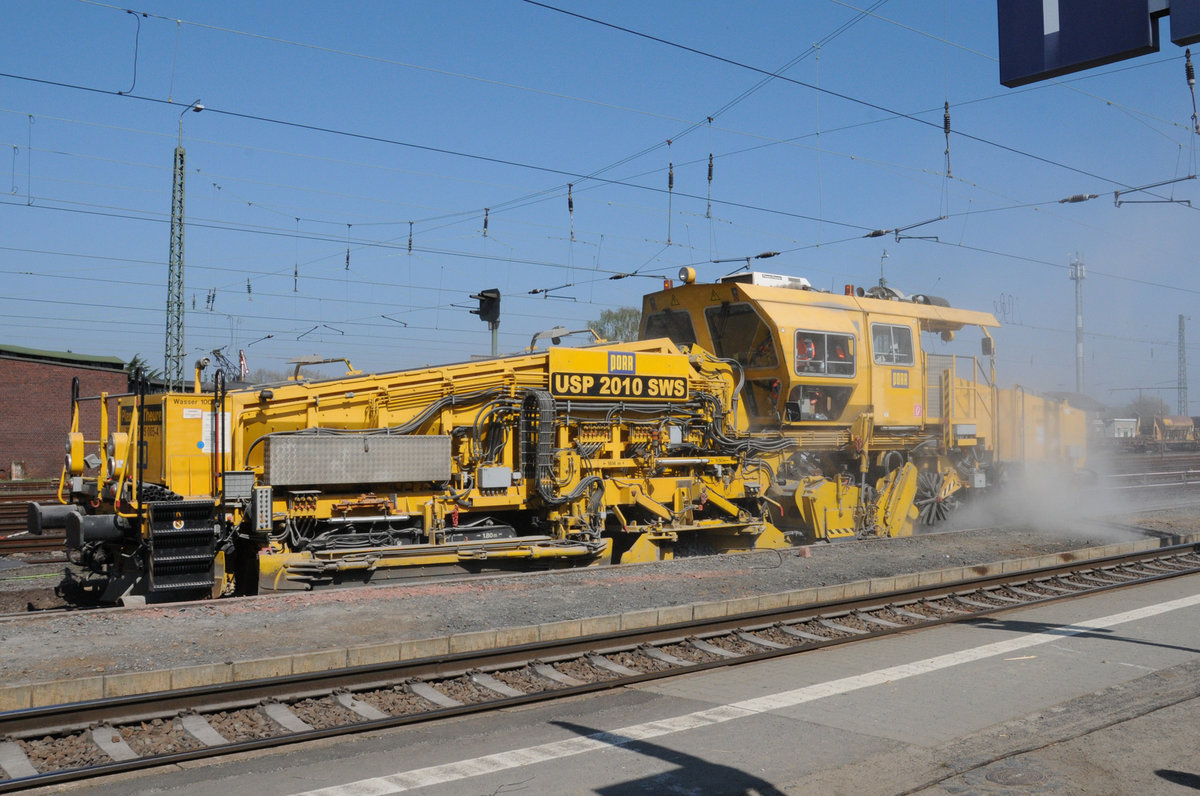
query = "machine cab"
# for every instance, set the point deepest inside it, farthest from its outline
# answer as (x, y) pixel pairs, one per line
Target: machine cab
(811, 358)
(800, 361)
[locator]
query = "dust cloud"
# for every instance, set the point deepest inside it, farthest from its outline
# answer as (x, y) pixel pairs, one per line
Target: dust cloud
(1052, 502)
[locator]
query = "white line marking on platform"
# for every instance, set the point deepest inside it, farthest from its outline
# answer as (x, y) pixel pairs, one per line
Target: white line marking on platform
(1136, 666)
(502, 761)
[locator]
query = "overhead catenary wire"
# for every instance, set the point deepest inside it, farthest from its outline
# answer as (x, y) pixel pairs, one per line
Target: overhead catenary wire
(994, 252)
(1023, 204)
(829, 92)
(861, 13)
(137, 39)
(423, 147)
(330, 130)
(723, 109)
(387, 244)
(792, 140)
(768, 75)
(476, 217)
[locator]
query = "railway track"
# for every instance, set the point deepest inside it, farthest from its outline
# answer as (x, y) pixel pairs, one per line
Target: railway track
(1154, 478)
(14, 539)
(13, 497)
(85, 740)
(26, 545)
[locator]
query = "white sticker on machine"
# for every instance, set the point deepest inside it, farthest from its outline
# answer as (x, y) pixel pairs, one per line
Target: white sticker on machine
(208, 436)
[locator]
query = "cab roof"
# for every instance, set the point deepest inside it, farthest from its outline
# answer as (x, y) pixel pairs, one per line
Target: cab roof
(933, 314)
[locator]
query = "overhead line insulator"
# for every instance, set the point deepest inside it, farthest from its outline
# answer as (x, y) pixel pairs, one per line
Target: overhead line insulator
(946, 128)
(1190, 72)
(708, 212)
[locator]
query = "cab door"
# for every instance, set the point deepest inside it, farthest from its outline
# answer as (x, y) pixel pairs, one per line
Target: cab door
(897, 383)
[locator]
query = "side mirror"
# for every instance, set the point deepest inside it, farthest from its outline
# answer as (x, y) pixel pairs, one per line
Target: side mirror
(987, 347)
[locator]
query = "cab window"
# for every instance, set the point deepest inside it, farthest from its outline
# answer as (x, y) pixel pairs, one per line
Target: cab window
(675, 324)
(739, 334)
(824, 353)
(807, 402)
(893, 344)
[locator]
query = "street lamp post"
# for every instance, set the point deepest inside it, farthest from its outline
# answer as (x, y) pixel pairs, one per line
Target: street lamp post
(173, 358)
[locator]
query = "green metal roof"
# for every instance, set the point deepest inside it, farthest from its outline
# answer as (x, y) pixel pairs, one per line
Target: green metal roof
(67, 357)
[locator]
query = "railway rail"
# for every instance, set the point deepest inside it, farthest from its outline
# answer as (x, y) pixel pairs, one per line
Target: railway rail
(85, 740)
(25, 544)
(14, 495)
(1189, 476)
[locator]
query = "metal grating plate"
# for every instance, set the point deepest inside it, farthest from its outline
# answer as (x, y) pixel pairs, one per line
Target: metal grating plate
(937, 364)
(237, 485)
(360, 459)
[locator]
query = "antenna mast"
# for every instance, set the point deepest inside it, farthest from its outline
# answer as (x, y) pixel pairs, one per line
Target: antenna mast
(1182, 397)
(1078, 272)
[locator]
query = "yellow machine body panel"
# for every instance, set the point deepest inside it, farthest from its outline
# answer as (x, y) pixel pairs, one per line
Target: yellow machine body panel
(177, 436)
(1039, 430)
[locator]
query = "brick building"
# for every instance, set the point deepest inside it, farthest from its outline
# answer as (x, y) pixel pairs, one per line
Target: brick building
(35, 406)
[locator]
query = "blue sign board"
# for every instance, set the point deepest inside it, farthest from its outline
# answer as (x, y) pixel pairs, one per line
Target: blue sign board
(1041, 39)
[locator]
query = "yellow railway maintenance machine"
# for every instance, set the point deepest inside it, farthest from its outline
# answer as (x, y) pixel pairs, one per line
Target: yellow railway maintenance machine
(754, 412)
(552, 458)
(885, 433)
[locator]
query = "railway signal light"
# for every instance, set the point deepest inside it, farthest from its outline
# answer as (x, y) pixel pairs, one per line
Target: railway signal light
(489, 305)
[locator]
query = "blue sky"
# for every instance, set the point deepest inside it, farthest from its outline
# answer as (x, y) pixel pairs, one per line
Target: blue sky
(333, 127)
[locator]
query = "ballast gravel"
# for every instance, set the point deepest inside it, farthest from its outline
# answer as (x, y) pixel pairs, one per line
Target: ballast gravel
(523, 680)
(396, 702)
(582, 670)
(56, 754)
(463, 690)
(158, 736)
(322, 713)
(89, 643)
(249, 724)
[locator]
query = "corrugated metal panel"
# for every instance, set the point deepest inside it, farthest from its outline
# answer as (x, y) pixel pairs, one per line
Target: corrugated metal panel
(360, 459)
(936, 365)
